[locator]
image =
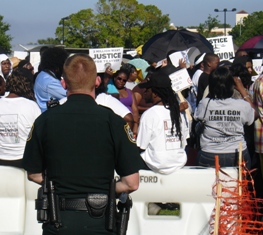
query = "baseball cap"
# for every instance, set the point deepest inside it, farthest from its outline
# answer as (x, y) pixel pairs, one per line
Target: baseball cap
(199, 59)
(158, 80)
(225, 63)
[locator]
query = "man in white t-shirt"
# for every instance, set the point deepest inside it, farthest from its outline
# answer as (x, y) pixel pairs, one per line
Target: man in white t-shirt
(162, 131)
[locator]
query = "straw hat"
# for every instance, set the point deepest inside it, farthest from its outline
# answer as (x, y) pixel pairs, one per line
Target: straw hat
(15, 61)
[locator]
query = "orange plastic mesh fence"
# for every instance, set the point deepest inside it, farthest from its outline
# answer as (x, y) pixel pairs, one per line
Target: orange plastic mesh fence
(240, 212)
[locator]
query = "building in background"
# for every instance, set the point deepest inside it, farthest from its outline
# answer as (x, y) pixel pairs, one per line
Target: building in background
(220, 31)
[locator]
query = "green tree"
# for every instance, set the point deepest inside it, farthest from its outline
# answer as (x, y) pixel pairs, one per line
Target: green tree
(123, 23)
(78, 29)
(252, 26)
(53, 41)
(5, 39)
(206, 28)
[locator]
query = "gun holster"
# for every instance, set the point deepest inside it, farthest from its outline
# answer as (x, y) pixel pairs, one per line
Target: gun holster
(124, 206)
(41, 205)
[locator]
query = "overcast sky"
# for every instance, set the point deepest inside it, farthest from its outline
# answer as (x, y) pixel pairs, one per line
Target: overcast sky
(31, 20)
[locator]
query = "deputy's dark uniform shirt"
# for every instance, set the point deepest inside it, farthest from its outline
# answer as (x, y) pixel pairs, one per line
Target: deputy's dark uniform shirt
(81, 143)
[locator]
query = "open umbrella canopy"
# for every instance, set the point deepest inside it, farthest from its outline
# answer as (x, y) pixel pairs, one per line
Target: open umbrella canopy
(157, 47)
(253, 43)
(140, 64)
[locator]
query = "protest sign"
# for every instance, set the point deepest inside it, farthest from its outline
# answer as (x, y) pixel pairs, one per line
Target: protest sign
(104, 57)
(160, 63)
(223, 47)
(179, 55)
(180, 80)
(258, 65)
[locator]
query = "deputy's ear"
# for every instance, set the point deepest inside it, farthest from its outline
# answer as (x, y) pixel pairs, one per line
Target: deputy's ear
(63, 83)
(98, 81)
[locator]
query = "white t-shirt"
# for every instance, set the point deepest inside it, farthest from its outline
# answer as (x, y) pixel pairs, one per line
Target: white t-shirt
(16, 119)
(108, 101)
(195, 79)
(224, 124)
(130, 85)
(114, 104)
(163, 153)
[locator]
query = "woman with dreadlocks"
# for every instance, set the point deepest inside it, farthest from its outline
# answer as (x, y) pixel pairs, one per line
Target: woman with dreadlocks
(18, 112)
(162, 131)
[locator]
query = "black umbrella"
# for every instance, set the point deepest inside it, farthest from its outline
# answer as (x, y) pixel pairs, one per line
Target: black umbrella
(157, 47)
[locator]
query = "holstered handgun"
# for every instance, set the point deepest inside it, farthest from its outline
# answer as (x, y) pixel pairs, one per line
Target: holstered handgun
(124, 206)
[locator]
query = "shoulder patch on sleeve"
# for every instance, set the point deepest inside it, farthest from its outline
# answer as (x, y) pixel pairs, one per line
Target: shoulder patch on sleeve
(129, 133)
(30, 133)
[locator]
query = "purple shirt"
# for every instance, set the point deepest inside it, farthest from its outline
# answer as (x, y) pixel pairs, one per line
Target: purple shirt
(127, 101)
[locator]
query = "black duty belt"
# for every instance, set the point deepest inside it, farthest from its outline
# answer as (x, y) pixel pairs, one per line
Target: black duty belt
(95, 204)
(76, 204)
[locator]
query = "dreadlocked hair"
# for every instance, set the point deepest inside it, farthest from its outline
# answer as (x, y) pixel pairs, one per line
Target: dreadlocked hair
(20, 82)
(170, 101)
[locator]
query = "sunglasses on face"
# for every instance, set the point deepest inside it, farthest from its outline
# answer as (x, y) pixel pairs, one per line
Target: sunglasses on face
(121, 79)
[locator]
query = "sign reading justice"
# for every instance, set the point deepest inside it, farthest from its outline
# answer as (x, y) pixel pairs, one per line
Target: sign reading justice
(104, 57)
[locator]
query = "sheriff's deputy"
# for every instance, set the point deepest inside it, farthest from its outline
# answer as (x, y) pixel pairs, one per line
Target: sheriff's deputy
(80, 144)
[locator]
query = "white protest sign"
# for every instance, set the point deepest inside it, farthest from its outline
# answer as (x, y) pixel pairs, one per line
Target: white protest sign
(223, 47)
(160, 63)
(179, 55)
(132, 53)
(180, 80)
(258, 65)
(104, 57)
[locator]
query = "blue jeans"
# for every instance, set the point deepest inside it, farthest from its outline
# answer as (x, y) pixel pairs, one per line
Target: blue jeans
(225, 159)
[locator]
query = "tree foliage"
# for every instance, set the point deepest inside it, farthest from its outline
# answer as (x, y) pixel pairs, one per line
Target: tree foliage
(53, 41)
(78, 29)
(118, 23)
(5, 39)
(206, 28)
(252, 26)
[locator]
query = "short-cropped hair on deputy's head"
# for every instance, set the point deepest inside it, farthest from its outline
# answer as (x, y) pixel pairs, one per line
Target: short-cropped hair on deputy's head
(80, 72)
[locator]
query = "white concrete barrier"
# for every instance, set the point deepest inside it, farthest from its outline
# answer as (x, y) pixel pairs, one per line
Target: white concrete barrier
(12, 200)
(32, 227)
(189, 187)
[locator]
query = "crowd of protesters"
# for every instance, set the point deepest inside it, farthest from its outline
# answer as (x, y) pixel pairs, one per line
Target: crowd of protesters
(223, 96)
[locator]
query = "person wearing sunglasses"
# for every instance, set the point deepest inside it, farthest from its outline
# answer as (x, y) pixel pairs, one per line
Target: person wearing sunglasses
(126, 96)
